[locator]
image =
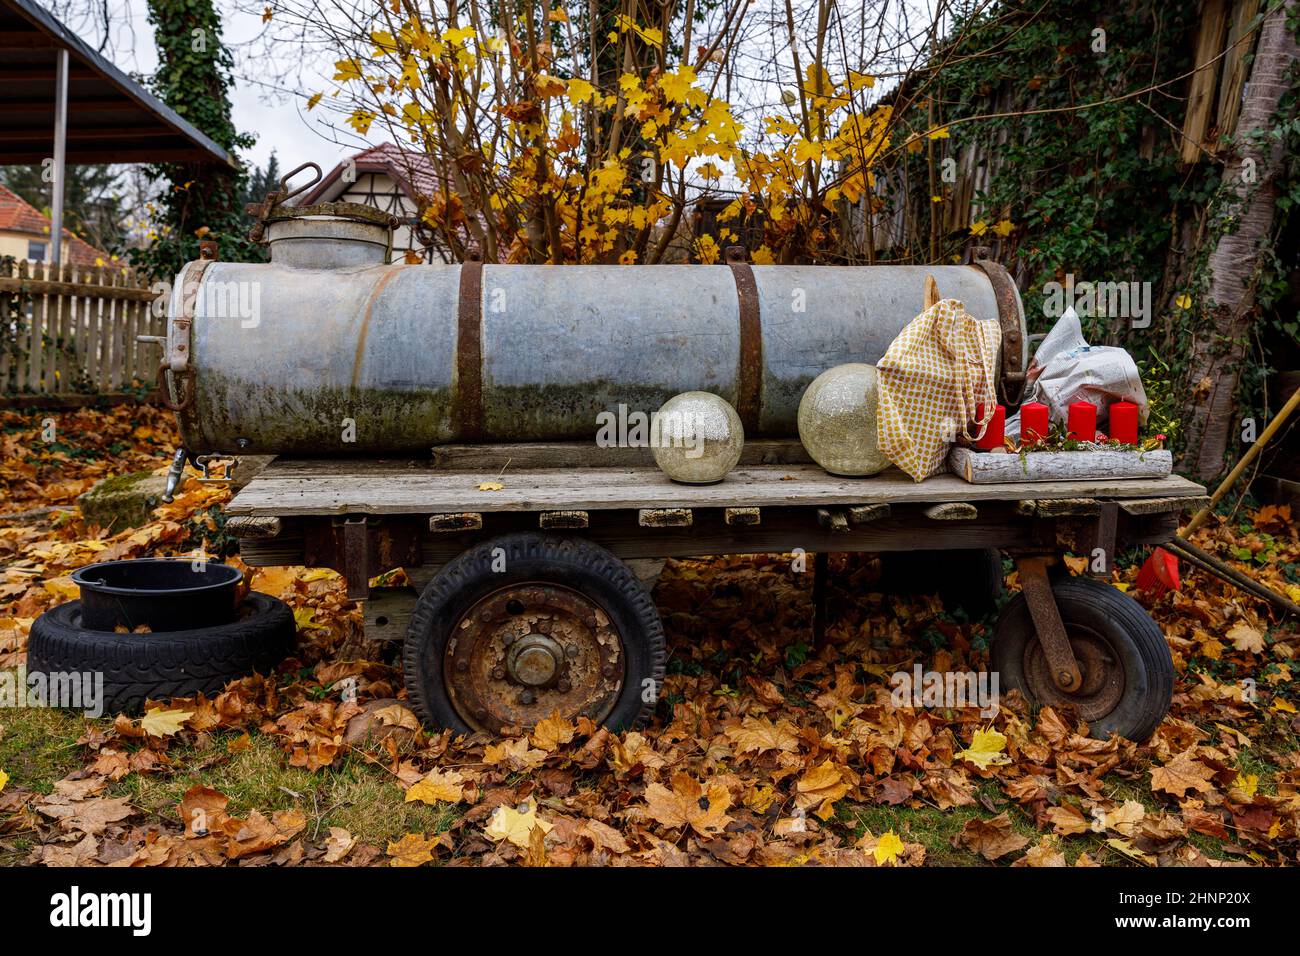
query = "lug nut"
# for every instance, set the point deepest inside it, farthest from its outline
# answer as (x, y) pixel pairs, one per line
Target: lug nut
(462, 666)
(527, 697)
(607, 670)
(571, 650)
(563, 686)
(498, 673)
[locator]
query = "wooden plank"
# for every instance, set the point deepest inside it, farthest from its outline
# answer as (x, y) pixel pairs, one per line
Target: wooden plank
(36, 329)
(83, 309)
(40, 351)
(49, 332)
(952, 511)
(22, 356)
(456, 521)
(75, 288)
(865, 514)
(66, 401)
(6, 345)
(387, 613)
(1210, 33)
(1234, 69)
(581, 454)
(112, 374)
(10, 346)
(833, 520)
(140, 352)
(94, 339)
(128, 341)
(782, 530)
(562, 520)
(742, 516)
(1059, 507)
(1101, 465)
(243, 526)
(1149, 506)
(72, 325)
(665, 517)
(338, 487)
(120, 322)
(67, 353)
(125, 343)
(57, 306)
(108, 355)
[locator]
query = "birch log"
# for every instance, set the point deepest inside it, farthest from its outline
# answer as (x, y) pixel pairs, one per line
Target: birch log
(984, 468)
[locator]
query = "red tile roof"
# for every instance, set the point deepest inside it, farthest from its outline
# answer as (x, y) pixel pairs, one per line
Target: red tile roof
(413, 171)
(18, 215)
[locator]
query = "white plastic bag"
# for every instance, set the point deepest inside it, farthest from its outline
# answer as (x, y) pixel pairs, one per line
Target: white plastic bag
(1066, 369)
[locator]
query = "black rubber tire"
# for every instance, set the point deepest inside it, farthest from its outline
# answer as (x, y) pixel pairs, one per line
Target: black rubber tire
(165, 664)
(970, 579)
(573, 562)
(1138, 645)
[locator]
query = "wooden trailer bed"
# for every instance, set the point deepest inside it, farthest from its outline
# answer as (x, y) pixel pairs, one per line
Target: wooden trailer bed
(365, 517)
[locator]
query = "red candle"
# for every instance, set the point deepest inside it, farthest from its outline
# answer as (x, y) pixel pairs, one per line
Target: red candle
(1124, 423)
(996, 432)
(1082, 422)
(1034, 425)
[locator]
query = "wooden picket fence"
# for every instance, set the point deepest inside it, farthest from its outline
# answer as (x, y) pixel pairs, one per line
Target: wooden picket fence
(72, 331)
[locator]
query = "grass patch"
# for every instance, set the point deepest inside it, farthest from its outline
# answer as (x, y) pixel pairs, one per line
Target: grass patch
(39, 746)
(356, 795)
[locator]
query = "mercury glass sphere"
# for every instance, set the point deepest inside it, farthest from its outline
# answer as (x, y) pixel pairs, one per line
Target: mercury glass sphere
(837, 421)
(697, 438)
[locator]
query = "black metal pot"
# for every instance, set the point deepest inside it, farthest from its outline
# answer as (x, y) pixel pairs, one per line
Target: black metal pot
(166, 594)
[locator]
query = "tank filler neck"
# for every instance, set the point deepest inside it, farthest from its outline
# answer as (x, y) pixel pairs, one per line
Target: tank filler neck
(327, 235)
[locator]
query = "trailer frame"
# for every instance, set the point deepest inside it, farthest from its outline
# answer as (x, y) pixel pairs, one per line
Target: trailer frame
(364, 517)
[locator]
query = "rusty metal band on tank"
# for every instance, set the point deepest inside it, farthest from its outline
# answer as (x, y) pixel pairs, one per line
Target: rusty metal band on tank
(279, 354)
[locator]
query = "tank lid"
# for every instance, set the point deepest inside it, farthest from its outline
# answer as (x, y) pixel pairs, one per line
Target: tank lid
(276, 208)
(351, 211)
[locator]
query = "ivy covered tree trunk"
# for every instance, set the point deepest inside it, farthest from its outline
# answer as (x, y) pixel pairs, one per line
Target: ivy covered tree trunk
(1249, 201)
(202, 200)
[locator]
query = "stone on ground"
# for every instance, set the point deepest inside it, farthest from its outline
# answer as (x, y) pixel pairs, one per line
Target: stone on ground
(123, 501)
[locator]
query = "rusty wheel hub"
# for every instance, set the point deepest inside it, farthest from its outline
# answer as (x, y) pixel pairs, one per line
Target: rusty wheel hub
(524, 652)
(1103, 675)
(534, 660)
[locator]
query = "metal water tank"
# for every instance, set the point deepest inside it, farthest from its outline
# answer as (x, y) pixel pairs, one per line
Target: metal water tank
(328, 341)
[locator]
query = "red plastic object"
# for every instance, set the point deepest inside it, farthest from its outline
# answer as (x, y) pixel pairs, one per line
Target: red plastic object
(1159, 574)
(1082, 422)
(1034, 423)
(1124, 423)
(995, 434)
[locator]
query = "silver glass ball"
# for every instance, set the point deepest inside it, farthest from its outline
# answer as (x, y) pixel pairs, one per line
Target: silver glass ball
(697, 438)
(837, 421)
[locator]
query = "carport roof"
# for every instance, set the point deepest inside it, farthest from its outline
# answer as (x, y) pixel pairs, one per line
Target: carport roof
(111, 118)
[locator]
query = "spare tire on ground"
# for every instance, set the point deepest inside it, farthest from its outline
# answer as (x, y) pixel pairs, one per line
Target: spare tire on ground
(164, 664)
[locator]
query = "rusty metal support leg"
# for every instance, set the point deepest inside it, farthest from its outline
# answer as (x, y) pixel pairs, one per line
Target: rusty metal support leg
(355, 558)
(1046, 616)
(820, 574)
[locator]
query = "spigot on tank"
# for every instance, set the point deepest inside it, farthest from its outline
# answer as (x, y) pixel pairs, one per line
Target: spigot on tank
(175, 475)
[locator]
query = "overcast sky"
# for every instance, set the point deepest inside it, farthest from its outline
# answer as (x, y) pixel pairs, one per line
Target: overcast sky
(277, 116)
(274, 116)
